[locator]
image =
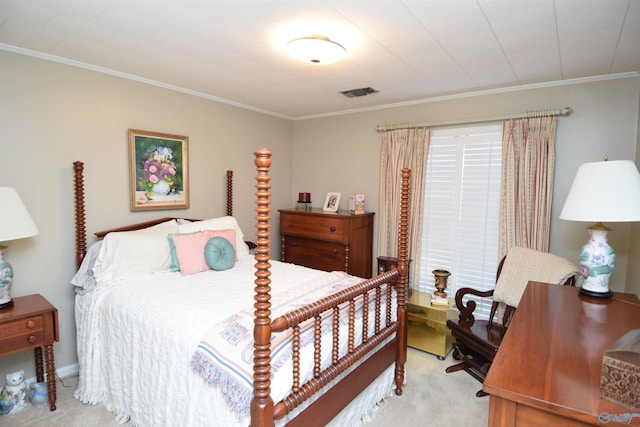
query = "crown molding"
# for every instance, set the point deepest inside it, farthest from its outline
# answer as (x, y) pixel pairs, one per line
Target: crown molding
(567, 82)
(464, 95)
(133, 77)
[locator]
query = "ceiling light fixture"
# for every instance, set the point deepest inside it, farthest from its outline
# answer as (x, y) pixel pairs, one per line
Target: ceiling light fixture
(318, 50)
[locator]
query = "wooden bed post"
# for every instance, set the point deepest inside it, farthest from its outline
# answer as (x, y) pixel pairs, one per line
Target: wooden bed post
(402, 281)
(229, 193)
(262, 404)
(81, 232)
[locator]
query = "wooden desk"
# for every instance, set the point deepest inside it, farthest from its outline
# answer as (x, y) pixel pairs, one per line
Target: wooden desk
(32, 323)
(547, 370)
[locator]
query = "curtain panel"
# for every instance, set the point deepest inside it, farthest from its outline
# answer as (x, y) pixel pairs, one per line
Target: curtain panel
(402, 148)
(528, 165)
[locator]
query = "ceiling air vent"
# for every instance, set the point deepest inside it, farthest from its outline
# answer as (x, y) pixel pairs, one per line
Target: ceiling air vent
(354, 93)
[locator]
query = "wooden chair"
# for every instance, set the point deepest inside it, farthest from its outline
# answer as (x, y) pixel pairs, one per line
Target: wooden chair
(477, 340)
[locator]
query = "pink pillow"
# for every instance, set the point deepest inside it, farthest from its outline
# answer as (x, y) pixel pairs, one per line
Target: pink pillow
(190, 249)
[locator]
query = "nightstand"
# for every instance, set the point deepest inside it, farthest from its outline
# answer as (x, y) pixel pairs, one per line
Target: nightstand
(386, 263)
(32, 323)
(427, 324)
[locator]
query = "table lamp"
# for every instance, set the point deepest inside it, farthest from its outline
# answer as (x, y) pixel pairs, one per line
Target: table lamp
(606, 191)
(15, 223)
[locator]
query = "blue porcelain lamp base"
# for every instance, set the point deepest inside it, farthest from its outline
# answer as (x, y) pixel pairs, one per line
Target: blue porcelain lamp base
(597, 260)
(6, 279)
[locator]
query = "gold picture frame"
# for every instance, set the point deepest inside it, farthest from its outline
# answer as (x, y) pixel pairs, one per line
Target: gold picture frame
(158, 170)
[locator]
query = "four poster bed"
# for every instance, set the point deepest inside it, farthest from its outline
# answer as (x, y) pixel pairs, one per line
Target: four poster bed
(259, 343)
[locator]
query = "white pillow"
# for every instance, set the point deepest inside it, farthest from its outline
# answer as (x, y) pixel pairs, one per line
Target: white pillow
(221, 223)
(128, 254)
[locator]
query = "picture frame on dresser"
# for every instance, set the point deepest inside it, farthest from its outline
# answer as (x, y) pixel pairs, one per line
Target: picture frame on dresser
(331, 202)
(158, 170)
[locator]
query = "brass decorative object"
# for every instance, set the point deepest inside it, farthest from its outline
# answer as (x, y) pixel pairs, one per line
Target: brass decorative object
(441, 277)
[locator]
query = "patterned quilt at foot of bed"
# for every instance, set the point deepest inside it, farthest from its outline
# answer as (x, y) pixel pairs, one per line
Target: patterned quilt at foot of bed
(224, 358)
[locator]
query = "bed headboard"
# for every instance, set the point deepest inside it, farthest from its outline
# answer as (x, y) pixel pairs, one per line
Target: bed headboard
(80, 222)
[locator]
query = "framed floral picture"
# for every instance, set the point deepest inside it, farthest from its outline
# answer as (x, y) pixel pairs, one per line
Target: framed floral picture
(158, 170)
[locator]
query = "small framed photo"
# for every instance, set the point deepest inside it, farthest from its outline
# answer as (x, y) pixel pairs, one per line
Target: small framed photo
(356, 203)
(331, 202)
(158, 170)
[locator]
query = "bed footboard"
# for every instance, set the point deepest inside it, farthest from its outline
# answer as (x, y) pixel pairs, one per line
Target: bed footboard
(383, 328)
(379, 350)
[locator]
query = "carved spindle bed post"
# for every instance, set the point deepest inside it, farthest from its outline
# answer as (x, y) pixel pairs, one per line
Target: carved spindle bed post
(402, 281)
(81, 232)
(229, 193)
(262, 404)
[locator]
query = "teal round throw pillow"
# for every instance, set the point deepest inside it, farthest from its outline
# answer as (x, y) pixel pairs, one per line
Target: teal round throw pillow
(219, 254)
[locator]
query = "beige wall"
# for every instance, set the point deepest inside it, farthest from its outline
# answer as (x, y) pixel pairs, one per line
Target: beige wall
(53, 114)
(341, 153)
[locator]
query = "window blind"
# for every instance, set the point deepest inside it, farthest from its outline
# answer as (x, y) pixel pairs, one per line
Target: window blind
(462, 208)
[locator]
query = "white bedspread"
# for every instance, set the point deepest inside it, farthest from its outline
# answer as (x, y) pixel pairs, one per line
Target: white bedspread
(136, 339)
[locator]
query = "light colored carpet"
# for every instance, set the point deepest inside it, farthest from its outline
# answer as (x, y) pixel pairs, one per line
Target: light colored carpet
(430, 397)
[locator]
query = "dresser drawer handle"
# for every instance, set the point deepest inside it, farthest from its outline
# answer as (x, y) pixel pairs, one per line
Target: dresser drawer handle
(32, 339)
(31, 324)
(333, 229)
(335, 251)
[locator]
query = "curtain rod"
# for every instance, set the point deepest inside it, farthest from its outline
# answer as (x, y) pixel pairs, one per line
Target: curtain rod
(526, 115)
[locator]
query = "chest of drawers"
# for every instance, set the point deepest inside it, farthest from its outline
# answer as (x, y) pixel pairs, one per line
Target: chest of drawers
(328, 241)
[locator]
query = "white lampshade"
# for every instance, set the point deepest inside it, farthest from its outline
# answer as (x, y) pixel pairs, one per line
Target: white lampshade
(15, 221)
(317, 50)
(604, 192)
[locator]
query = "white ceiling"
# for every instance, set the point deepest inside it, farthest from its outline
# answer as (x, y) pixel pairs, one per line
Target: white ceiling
(408, 50)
